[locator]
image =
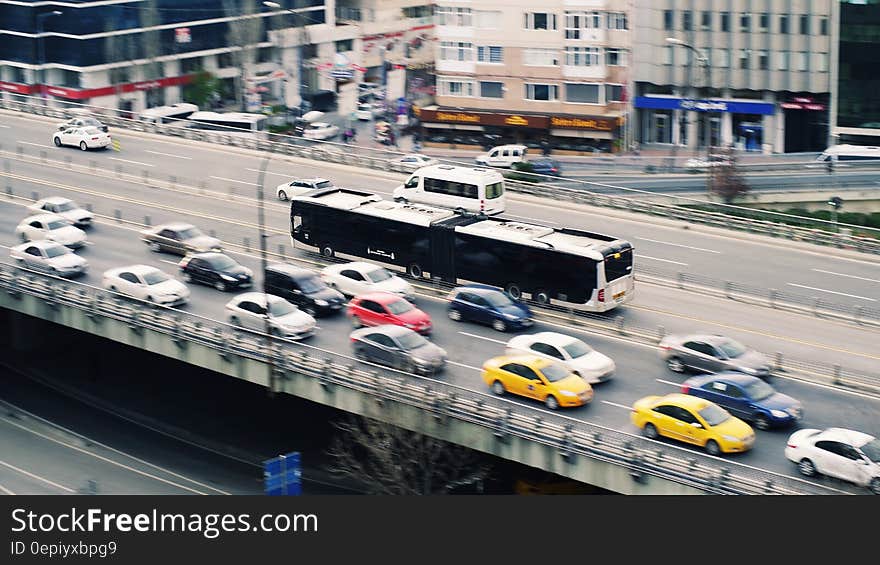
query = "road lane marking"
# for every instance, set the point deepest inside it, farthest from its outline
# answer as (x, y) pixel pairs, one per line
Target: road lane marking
(5, 126)
(485, 338)
(233, 180)
(34, 144)
(533, 219)
(272, 173)
(609, 403)
(167, 154)
(37, 477)
(668, 382)
(832, 292)
(847, 276)
(663, 260)
(462, 365)
(2, 488)
(132, 162)
(169, 262)
(679, 245)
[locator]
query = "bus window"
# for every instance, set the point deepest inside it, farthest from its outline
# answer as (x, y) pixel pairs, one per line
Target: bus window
(494, 190)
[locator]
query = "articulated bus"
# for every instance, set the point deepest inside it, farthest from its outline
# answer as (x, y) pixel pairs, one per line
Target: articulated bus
(236, 123)
(587, 271)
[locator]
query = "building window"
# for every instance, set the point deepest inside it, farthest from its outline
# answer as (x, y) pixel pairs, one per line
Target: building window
(486, 19)
(764, 21)
(456, 51)
(490, 54)
(725, 21)
(224, 60)
(614, 93)
(783, 23)
(539, 20)
(576, 23)
(667, 20)
(190, 65)
(782, 61)
(744, 58)
(687, 20)
(706, 21)
(449, 16)
(745, 22)
(667, 55)
(344, 45)
(763, 60)
(582, 56)
(582, 93)
(823, 26)
(803, 61)
(805, 24)
(455, 87)
(615, 57)
(541, 57)
(418, 11)
(723, 58)
(821, 62)
(541, 92)
(70, 78)
(491, 89)
(617, 20)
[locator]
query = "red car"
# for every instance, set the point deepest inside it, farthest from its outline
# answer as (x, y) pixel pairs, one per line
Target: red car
(375, 308)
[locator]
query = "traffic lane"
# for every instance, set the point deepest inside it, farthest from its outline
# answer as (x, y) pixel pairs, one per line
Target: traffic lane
(842, 180)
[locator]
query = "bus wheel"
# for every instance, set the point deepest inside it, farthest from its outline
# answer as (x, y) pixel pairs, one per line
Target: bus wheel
(327, 251)
(415, 271)
(514, 291)
(399, 199)
(542, 297)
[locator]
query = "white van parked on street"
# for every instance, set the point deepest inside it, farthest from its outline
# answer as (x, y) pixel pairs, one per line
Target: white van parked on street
(470, 189)
(503, 156)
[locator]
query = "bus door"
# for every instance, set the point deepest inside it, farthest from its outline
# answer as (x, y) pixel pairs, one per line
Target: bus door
(443, 253)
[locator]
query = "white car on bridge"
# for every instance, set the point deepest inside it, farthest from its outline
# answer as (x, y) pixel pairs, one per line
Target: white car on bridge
(574, 354)
(64, 207)
(85, 138)
(51, 227)
(249, 310)
(297, 187)
(146, 282)
(359, 277)
(50, 257)
(837, 452)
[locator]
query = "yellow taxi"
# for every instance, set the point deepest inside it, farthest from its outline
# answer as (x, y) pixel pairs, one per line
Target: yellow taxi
(692, 420)
(536, 377)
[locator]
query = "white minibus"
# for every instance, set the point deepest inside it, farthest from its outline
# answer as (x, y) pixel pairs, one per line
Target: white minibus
(470, 189)
(167, 114)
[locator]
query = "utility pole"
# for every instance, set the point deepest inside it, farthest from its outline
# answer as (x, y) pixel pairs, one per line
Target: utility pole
(703, 61)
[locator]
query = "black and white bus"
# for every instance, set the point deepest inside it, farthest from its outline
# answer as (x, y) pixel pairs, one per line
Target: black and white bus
(588, 271)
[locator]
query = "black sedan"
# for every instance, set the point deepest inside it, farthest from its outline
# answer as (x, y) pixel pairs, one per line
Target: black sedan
(215, 269)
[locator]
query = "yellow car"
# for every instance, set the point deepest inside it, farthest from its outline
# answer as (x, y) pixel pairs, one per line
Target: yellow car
(692, 420)
(536, 377)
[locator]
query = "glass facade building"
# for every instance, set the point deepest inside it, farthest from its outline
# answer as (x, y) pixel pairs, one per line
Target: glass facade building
(858, 80)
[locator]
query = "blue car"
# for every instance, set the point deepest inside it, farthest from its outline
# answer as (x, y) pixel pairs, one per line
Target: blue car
(746, 397)
(546, 166)
(488, 305)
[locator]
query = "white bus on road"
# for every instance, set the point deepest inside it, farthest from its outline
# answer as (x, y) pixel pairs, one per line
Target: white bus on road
(837, 153)
(167, 114)
(471, 189)
(238, 123)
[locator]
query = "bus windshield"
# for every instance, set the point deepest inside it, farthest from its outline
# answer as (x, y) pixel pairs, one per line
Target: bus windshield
(618, 264)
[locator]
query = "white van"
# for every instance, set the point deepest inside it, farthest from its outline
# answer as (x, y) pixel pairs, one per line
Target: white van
(167, 114)
(850, 153)
(470, 189)
(503, 156)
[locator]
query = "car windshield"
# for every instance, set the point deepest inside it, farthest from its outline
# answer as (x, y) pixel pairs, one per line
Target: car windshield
(714, 415)
(411, 340)
(223, 263)
(400, 307)
(189, 233)
(57, 224)
(323, 184)
(281, 308)
(872, 450)
(378, 275)
(759, 390)
(731, 348)
(65, 207)
(498, 299)
(55, 250)
(155, 277)
(555, 372)
(311, 284)
(577, 348)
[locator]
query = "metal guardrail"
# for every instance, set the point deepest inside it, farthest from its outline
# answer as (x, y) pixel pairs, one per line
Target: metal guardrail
(442, 400)
(680, 207)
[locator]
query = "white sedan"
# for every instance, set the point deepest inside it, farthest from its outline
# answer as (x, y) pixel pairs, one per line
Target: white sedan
(51, 227)
(837, 452)
(249, 311)
(64, 207)
(367, 111)
(146, 283)
(321, 130)
(359, 277)
(298, 187)
(413, 161)
(50, 257)
(577, 356)
(85, 138)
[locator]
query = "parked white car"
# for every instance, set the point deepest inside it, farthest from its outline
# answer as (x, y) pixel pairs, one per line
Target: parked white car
(85, 138)
(249, 310)
(413, 161)
(297, 187)
(574, 354)
(64, 207)
(367, 111)
(320, 131)
(359, 277)
(148, 283)
(51, 227)
(837, 452)
(50, 257)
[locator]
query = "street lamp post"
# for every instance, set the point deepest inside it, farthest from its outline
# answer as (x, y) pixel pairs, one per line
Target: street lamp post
(300, 51)
(703, 61)
(41, 49)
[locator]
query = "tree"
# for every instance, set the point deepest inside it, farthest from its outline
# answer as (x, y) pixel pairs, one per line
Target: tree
(726, 179)
(391, 460)
(201, 89)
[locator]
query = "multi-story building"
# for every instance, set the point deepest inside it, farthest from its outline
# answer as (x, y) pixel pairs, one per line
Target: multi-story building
(768, 82)
(855, 103)
(514, 71)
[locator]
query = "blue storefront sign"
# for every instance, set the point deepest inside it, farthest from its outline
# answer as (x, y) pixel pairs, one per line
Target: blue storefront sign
(703, 105)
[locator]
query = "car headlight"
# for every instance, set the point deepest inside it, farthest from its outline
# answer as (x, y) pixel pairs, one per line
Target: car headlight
(511, 316)
(731, 438)
(567, 393)
(227, 278)
(321, 303)
(779, 413)
(248, 272)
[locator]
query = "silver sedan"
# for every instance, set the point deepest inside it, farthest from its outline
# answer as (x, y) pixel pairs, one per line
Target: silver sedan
(49, 257)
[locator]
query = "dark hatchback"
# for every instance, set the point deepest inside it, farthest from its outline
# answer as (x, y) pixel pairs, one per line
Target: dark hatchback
(303, 288)
(746, 397)
(546, 166)
(488, 305)
(215, 269)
